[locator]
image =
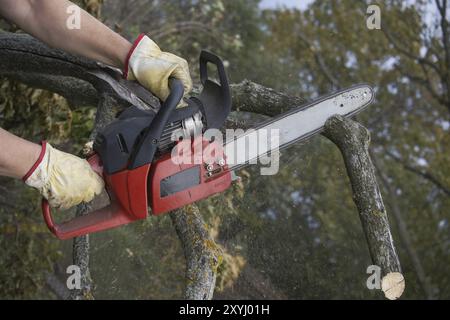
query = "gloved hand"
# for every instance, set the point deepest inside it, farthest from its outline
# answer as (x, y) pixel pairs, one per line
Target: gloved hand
(63, 179)
(152, 67)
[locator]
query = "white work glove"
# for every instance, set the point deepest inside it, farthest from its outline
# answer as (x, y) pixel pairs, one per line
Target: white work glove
(152, 67)
(63, 179)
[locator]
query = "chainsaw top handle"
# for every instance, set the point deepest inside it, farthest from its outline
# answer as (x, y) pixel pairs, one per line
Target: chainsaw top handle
(146, 146)
(205, 57)
(215, 99)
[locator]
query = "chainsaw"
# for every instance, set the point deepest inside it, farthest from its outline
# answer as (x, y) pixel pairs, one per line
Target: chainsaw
(134, 154)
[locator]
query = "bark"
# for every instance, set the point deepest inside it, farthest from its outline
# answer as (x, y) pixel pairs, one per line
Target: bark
(201, 252)
(252, 97)
(405, 238)
(353, 140)
(79, 93)
(80, 258)
(76, 78)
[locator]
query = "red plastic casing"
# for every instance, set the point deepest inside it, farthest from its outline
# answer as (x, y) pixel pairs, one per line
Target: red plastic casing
(169, 165)
(129, 193)
(128, 202)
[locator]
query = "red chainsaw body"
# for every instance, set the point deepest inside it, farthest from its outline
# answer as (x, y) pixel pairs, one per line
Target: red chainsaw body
(131, 192)
(136, 178)
(129, 187)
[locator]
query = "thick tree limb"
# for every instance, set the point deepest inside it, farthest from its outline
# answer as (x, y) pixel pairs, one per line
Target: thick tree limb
(31, 55)
(79, 93)
(424, 281)
(21, 55)
(353, 140)
(201, 253)
(80, 256)
(252, 97)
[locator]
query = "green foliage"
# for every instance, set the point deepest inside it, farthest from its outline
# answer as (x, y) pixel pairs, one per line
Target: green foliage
(27, 250)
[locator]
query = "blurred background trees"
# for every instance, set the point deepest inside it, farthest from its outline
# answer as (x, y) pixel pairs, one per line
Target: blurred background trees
(294, 235)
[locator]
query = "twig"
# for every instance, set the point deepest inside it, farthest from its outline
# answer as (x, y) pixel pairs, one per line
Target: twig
(424, 174)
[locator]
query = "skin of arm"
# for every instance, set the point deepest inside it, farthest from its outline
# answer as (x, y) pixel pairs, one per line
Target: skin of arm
(47, 21)
(17, 155)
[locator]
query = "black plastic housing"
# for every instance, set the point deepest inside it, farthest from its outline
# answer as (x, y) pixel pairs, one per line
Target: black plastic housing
(132, 139)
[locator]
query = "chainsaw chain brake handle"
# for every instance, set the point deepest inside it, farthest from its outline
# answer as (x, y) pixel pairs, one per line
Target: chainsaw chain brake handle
(127, 188)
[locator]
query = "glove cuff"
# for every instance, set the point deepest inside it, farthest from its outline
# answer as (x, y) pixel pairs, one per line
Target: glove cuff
(127, 61)
(38, 161)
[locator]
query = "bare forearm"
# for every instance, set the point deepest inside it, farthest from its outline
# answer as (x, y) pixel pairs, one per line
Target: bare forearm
(47, 21)
(17, 155)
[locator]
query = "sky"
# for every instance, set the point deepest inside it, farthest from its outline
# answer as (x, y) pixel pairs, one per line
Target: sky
(301, 4)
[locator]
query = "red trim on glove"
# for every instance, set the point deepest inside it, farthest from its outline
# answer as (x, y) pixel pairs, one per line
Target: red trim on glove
(38, 161)
(136, 42)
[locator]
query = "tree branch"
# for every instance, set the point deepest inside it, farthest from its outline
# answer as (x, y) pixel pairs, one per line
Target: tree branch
(201, 252)
(404, 50)
(320, 61)
(404, 234)
(252, 97)
(353, 140)
(22, 55)
(80, 258)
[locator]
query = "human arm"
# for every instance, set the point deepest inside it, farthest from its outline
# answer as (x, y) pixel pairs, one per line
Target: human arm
(47, 21)
(143, 61)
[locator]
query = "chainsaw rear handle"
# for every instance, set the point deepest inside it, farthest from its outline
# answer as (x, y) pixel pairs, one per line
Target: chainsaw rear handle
(114, 215)
(105, 218)
(108, 217)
